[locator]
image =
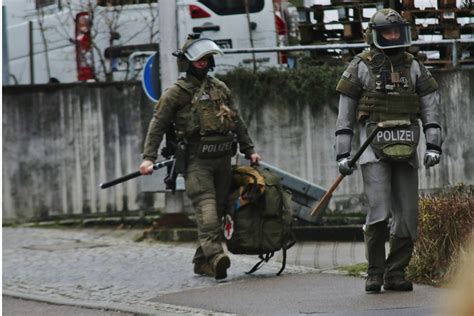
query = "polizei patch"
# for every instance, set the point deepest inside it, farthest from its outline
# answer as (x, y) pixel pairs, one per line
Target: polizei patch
(216, 148)
(395, 136)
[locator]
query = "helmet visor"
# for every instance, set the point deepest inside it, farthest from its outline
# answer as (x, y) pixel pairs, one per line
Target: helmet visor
(392, 36)
(201, 48)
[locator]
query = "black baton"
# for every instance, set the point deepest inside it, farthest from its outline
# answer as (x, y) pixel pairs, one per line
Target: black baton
(135, 174)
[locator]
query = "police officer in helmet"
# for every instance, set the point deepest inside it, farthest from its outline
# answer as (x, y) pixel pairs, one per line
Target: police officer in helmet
(384, 84)
(198, 108)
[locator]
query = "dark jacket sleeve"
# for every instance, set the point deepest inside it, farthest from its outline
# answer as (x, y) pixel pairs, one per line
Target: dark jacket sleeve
(163, 117)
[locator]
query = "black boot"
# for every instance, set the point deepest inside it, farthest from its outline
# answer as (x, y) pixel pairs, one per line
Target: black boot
(401, 250)
(397, 283)
(375, 236)
(373, 283)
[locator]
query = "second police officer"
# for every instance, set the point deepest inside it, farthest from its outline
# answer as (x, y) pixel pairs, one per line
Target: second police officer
(200, 111)
(386, 83)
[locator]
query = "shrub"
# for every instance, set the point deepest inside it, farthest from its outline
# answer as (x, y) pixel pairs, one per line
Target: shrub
(446, 223)
(313, 85)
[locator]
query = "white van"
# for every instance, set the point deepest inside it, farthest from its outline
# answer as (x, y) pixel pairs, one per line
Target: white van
(227, 23)
(78, 40)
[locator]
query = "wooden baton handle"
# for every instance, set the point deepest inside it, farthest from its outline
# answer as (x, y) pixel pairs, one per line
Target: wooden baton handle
(325, 199)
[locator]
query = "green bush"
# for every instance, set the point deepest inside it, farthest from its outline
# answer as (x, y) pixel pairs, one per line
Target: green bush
(313, 85)
(446, 223)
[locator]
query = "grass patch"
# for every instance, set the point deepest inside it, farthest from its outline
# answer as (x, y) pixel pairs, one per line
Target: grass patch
(446, 223)
(355, 270)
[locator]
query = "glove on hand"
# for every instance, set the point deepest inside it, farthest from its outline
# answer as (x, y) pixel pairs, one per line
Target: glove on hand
(344, 168)
(432, 158)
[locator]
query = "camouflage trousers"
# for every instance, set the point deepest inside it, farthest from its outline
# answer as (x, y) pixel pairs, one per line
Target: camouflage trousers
(207, 186)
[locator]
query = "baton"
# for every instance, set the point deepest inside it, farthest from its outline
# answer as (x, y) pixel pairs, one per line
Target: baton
(387, 124)
(136, 174)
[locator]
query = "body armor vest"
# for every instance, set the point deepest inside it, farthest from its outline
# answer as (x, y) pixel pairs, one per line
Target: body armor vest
(207, 121)
(392, 96)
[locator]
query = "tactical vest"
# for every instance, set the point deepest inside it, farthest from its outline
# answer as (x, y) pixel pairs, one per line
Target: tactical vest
(392, 96)
(207, 119)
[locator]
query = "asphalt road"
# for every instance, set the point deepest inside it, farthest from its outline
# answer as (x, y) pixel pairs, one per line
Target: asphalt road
(106, 270)
(19, 307)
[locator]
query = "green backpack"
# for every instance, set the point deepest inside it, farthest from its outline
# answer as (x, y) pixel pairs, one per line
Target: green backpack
(262, 225)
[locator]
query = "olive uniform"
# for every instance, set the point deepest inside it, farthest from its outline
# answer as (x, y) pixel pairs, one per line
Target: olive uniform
(378, 87)
(203, 116)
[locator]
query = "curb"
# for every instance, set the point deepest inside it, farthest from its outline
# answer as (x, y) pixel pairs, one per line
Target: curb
(154, 308)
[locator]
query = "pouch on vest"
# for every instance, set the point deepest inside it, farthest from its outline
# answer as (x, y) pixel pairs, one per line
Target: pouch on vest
(215, 146)
(396, 143)
(215, 116)
(258, 218)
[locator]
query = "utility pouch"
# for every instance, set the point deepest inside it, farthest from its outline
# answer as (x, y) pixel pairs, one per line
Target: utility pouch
(215, 146)
(395, 143)
(180, 156)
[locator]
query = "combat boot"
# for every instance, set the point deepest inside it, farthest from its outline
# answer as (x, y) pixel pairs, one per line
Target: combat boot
(401, 250)
(374, 237)
(373, 283)
(220, 263)
(397, 283)
(203, 267)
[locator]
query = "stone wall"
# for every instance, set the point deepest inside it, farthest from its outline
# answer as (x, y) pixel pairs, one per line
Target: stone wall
(61, 141)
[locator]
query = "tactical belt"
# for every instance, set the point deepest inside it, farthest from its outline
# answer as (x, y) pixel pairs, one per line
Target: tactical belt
(215, 146)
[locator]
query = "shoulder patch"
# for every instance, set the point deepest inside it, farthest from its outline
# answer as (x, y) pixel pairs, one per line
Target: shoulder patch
(186, 86)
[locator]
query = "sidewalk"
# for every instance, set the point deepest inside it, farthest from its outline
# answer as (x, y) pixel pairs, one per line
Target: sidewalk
(106, 269)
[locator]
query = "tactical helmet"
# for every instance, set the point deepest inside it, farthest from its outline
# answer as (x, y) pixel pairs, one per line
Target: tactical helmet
(385, 21)
(194, 49)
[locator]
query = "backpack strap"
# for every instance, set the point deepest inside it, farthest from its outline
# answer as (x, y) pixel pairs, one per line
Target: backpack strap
(199, 93)
(263, 259)
(283, 261)
(266, 258)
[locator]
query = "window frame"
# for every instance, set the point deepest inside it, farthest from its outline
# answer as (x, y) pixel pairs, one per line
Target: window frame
(254, 6)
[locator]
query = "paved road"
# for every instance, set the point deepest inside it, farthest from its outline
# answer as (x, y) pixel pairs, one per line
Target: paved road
(105, 269)
(18, 307)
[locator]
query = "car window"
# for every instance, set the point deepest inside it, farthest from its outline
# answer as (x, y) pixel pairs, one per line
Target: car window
(228, 7)
(105, 3)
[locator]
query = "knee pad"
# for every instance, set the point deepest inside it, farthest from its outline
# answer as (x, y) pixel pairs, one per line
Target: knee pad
(208, 213)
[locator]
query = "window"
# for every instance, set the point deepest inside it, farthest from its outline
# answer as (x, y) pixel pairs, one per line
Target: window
(105, 3)
(44, 3)
(228, 7)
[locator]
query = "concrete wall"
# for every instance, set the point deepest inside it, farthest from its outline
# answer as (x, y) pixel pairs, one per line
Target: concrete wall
(61, 141)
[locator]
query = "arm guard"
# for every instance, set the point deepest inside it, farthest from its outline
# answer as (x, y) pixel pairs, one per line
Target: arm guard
(430, 120)
(345, 125)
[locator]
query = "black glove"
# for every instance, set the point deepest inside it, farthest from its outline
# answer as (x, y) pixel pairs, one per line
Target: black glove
(344, 168)
(432, 157)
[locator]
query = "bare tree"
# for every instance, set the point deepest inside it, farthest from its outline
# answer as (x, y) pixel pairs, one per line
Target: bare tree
(40, 17)
(108, 27)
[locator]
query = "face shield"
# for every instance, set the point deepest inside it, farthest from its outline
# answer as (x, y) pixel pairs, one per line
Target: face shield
(200, 48)
(391, 35)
